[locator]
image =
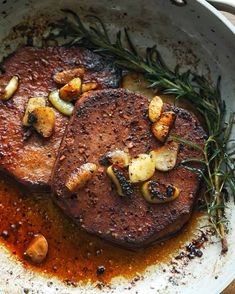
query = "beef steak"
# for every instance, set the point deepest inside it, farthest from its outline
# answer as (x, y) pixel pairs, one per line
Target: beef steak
(103, 121)
(24, 154)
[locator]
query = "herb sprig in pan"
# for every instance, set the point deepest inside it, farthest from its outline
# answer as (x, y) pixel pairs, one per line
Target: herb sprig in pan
(219, 172)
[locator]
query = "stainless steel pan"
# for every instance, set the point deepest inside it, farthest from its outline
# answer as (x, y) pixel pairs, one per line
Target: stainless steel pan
(184, 34)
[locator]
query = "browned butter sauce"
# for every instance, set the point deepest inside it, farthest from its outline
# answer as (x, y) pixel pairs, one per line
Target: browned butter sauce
(73, 255)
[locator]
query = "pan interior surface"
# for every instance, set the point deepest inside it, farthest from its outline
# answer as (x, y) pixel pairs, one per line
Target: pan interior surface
(192, 36)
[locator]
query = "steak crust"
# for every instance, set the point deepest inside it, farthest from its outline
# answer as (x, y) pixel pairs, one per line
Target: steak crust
(23, 153)
(109, 119)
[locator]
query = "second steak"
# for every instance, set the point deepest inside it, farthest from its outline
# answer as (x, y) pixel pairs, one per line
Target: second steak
(24, 153)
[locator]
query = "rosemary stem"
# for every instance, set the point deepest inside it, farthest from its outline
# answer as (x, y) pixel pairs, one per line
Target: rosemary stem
(219, 213)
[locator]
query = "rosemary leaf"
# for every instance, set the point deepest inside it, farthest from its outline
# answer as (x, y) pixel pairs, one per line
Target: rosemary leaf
(186, 142)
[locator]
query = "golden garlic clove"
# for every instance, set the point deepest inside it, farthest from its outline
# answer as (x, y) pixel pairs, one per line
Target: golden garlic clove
(65, 76)
(155, 108)
(37, 250)
(80, 176)
(165, 157)
(89, 86)
(62, 106)
(10, 89)
(141, 168)
(43, 120)
(32, 104)
(157, 192)
(118, 157)
(161, 128)
(117, 175)
(72, 90)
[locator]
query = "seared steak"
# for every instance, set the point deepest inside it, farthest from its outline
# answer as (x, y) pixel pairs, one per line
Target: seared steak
(109, 119)
(23, 153)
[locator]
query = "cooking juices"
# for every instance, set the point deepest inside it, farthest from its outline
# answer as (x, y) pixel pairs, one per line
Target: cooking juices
(73, 255)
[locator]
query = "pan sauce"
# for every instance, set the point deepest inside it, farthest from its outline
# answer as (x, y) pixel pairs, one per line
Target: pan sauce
(73, 255)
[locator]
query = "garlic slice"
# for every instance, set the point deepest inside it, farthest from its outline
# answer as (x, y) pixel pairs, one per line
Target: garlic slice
(62, 106)
(43, 120)
(10, 89)
(118, 177)
(89, 86)
(118, 157)
(80, 176)
(157, 192)
(141, 168)
(37, 249)
(32, 104)
(65, 76)
(72, 90)
(155, 108)
(165, 157)
(162, 127)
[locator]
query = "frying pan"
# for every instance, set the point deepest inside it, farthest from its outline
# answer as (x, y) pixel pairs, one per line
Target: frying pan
(185, 33)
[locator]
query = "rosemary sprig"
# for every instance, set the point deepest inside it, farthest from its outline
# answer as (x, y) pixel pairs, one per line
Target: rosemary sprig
(219, 171)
